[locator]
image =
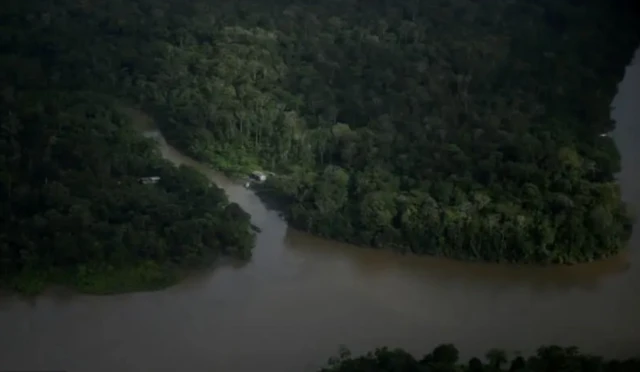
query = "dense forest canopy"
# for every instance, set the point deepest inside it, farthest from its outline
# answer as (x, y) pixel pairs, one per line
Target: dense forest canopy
(444, 358)
(73, 209)
(74, 212)
(456, 128)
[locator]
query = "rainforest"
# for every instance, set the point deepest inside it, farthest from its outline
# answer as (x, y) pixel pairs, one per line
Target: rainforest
(458, 128)
(453, 128)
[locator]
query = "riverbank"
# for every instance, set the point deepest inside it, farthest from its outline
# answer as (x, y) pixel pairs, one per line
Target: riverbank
(96, 280)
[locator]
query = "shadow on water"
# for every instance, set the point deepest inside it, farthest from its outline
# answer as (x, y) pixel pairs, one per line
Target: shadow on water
(373, 263)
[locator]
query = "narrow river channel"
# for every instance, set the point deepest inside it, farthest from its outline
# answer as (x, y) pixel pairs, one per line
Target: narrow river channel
(300, 297)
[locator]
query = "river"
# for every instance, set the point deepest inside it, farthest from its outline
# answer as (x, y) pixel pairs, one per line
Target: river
(300, 297)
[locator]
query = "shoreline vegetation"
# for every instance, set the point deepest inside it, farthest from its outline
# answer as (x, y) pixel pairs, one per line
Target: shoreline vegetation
(443, 128)
(445, 358)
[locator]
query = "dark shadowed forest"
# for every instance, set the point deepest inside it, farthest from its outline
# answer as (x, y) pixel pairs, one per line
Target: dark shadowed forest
(444, 358)
(73, 211)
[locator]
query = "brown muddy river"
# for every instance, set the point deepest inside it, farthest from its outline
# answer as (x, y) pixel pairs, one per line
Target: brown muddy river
(301, 297)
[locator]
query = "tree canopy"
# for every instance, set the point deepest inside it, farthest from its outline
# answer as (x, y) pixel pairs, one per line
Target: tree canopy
(73, 209)
(457, 128)
(436, 127)
(445, 358)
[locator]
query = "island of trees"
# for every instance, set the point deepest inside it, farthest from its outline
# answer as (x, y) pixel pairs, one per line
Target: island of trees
(458, 128)
(444, 358)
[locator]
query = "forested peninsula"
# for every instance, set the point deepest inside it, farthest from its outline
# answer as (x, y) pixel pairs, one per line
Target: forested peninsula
(445, 358)
(459, 128)
(474, 130)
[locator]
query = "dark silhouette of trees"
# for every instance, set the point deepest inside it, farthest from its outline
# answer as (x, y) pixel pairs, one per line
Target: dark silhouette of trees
(445, 359)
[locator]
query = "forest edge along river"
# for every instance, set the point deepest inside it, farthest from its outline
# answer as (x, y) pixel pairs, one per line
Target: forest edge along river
(300, 297)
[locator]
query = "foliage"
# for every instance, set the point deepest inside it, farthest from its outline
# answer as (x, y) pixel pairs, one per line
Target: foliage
(444, 358)
(73, 211)
(456, 128)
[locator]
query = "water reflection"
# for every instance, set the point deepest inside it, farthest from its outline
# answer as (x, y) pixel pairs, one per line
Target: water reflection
(373, 263)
